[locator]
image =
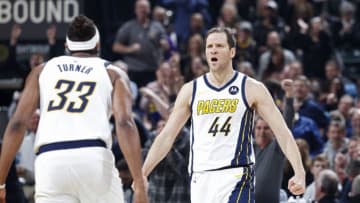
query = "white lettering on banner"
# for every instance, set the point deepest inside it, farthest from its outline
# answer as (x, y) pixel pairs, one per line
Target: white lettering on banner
(75, 8)
(20, 6)
(54, 11)
(5, 11)
(38, 11)
(41, 12)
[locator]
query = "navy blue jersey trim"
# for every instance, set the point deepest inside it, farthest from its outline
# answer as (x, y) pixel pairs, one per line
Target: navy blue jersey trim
(193, 95)
(223, 87)
(192, 149)
(243, 92)
(107, 63)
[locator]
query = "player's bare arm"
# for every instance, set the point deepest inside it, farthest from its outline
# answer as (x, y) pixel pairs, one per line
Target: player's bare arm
(164, 141)
(16, 128)
(260, 99)
(127, 133)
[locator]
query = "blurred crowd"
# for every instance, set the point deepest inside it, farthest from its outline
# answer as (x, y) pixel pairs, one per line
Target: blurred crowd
(314, 43)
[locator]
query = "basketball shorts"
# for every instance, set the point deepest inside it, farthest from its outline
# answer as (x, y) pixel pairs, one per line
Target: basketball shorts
(233, 185)
(77, 175)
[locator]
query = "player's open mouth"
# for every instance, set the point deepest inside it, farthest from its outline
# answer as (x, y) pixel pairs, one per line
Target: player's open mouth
(213, 59)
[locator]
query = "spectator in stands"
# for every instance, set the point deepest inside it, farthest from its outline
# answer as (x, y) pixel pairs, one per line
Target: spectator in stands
(344, 108)
(275, 58)
(197, 68)
(355, 123)
(168, 182)
(305, 128)
(228, 15)
(183, 17)
(307, 106)
(268, 22)
(337, 142)
(355, 190)
(340, 164)
(326, 187)
(246, 68)
(318, 164)
(162, 87)
(352, 170)
(332, 71)
(306, 160)
(195, 48)
(246, 45)
(353, 151)
(141, 41)
(292, 70)
(269, 154)
(346, 30)
(316, 47)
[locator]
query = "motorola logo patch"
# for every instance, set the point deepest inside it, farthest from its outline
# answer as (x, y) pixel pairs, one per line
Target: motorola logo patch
(233, 90)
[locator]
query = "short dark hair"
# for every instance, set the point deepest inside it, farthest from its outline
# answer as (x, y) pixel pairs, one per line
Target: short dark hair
(228, 32)
(81, 28)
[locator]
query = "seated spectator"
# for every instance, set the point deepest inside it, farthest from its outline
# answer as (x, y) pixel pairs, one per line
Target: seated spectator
(318, 164)
(275, 58)
(355, 190)
(326, 187)
(168, 182)
(337, 142)
(197, 68)
(246, 45)
(307, 106)
(355, 123)
(305, 128)
(246, 68)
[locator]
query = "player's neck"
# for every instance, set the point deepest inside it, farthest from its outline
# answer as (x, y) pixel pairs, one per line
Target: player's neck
(220, 77)
(82, 54)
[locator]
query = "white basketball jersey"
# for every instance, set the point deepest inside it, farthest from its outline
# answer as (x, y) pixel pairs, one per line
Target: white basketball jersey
(75, 100)
(221, 125)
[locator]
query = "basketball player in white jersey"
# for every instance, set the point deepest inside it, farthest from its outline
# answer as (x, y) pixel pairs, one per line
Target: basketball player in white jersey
(221, 104)
(77, 95)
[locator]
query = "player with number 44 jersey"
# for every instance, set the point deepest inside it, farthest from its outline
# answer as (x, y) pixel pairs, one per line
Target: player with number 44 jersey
(224, 120)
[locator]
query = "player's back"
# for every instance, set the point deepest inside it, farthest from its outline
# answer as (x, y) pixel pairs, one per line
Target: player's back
(75, 100)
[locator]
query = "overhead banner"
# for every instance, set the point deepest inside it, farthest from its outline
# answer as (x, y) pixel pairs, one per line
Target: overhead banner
(35, 16)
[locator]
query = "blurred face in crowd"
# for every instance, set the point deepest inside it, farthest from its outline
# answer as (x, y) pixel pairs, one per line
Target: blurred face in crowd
(354, 147)
(197, 23)
(317, 167)
(345, 104)
(355, 123)
(159, 14)
(273, 40)
(296, 69)
(301, 89)
(163, 73)
(316, 25)
(263, 133)
(340, 163)
(228, 13)
(331, 71)
(142, 9)
(35, 60)
(197, 67)
(218, 52)
(335, 133)
(195, 44)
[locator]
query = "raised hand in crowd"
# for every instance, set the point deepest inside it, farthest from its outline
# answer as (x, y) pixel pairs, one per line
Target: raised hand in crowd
(15, 34)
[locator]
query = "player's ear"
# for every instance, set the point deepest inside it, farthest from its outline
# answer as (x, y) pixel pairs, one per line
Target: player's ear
(232, 52)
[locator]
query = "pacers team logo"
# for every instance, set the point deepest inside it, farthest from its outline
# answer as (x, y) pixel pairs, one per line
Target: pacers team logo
(233, 90)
